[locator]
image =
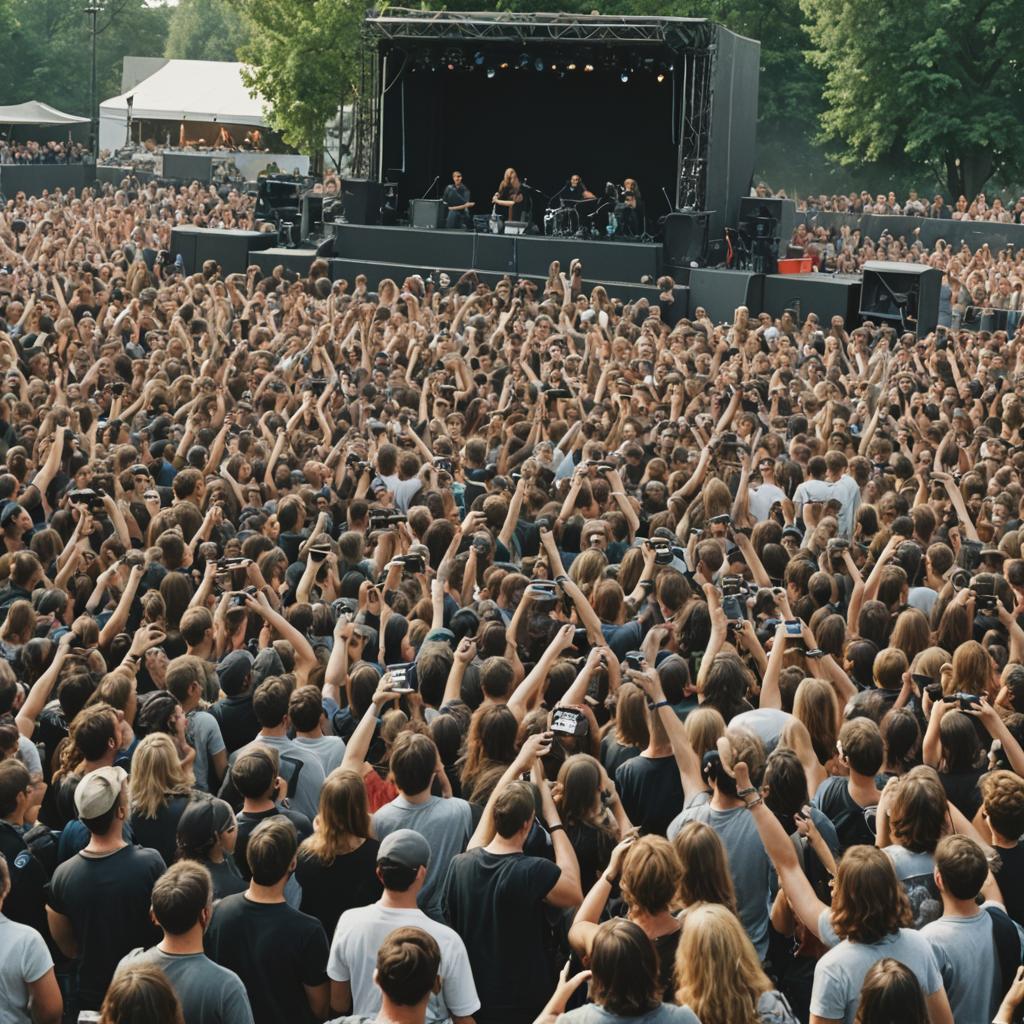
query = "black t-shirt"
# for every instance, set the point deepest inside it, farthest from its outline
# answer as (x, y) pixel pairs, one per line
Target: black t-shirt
(496, 904)
(328, 890)
(160, 833)
(850, 819)
(237, 720)
(651, 792)
(1010, 877)
(275, 950)
(247, 823)
(227, 879)
(615, 754)
(962, 791)
(25, 903)
(593, 848)
(106, 899)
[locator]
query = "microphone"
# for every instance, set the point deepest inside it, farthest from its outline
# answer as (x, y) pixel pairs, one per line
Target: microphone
(430, 188)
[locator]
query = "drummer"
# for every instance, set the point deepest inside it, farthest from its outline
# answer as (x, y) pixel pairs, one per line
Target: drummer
(576, 191)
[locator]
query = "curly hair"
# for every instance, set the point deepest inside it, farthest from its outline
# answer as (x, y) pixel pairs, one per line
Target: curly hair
(1002, 795)
(869, 903)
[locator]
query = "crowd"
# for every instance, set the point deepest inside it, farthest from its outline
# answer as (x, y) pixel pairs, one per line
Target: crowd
(31, 152)
(443, 652)
(915, 205)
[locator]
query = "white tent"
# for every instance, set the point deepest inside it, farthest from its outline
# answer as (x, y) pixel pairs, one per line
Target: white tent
(183, 90)
(34, 112)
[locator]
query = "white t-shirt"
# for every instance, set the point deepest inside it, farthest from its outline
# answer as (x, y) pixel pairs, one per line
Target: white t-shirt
(811, 490)
(24, 959)
(760, 500)
(359, 935)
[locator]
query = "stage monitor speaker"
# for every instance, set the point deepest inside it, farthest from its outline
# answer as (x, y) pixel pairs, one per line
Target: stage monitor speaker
(183, 244)
(362, 201)
(427, 213)
(782, 211)
(231, 249)
(685, 239)
(312, 214)
(719, 292)
(905, 295)
(827, 295)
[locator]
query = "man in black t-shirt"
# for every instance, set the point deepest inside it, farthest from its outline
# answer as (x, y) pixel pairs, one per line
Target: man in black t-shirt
(459, 203)
(279, 953)
(25, 902)
(507, 945)
(98, 902)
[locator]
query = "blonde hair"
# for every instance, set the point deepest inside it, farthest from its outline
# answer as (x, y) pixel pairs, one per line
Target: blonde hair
(343, 815)
(704, 726)
(718, 972)
(157, 775)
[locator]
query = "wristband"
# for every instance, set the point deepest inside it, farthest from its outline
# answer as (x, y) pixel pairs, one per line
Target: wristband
(741, 793)
(646, 585)
(659, 704)
(751, 804)
(555, 828)
(815, 652)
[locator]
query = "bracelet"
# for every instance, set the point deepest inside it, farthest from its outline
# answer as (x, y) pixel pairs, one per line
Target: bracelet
(751, 804)
(743, 792)
(660, 704)
(555, 828)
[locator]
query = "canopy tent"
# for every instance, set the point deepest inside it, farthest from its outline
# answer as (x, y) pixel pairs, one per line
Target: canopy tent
(34, 112)
(206, 91)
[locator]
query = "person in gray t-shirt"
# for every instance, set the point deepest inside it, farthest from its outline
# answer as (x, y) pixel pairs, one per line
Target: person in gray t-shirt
(445, 823)
(182, 902)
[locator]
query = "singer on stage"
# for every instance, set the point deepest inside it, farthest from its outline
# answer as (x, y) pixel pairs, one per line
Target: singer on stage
(457, 199)
(510, 195)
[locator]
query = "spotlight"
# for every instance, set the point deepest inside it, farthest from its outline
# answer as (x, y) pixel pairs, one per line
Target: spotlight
(504, 65)
(490, 72)
(538, 64)
(571, 67)
(624, 77)
(478, 57)
(661, 77)
(588, 67)
(524, 61)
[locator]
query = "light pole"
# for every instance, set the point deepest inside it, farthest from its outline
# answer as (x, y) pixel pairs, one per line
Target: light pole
(93, 10)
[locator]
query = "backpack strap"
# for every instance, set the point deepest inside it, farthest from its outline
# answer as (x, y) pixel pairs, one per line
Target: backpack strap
(1007, 946)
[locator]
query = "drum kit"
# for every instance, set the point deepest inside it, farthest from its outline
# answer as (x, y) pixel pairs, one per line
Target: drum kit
(572, 220)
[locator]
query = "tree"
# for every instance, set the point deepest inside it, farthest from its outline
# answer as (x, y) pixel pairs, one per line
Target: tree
(206, 30)
(48, 49)
(936, 83)
(302, 57)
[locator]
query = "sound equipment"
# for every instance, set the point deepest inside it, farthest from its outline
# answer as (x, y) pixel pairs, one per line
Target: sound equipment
(905, 295)
(685, 239)
(828, 295)
(362, 201)
(721, 291)
(229, 248)
(427, 213)
(312, 214)
(782, 211)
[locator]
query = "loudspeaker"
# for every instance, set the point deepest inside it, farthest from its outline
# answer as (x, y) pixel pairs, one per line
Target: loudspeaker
(231, 248)
(183, 243)
(312, 214)
(427, 213)
(362, 201)
(828, 295)
(721, 291)
(905, 295)
(782, 211)
(685, 238)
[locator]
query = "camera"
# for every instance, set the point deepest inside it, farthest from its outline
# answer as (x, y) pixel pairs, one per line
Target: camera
(635, 660)
(544, 594)
(985, 595)
(318, 554)
(414, 563)
(403, 676)
(443, 464)
(963, 700)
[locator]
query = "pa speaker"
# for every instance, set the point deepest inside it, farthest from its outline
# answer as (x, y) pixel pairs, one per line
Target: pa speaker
(685, 239)
(828, 295)
(905, 295)
(719, 292)
(362, 201)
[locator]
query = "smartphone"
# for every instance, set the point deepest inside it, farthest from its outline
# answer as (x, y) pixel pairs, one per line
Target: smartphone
(318, 554)
(794, 627)
(569, 722)
(403, 678)
(635, 660)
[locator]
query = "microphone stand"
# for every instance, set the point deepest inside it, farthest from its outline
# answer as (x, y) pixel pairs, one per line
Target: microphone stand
(430, 187)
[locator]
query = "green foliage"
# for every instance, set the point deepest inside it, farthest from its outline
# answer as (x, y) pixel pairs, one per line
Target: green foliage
(48, 49)
(934, 84)
(206, 30)
(302, 57)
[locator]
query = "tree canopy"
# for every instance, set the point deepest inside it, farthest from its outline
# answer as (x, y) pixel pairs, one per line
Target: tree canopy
(205, 30)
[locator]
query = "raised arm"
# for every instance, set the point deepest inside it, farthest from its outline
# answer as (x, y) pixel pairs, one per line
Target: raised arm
(523, 697)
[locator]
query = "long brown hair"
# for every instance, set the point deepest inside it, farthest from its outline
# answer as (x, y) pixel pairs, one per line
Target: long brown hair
(705, 877)
(868, 903)
(343, 814)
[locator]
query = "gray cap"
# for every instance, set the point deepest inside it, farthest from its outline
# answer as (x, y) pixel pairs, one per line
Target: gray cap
(406, 847)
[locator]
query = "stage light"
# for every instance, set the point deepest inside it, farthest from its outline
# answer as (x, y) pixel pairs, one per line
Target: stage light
(624, 77)
(478, 57)
(554, 67)
(504, 65)
(588, 67)
(571, 67)
(661, 77)
(524, 61)
(490, 72)
(539, 65)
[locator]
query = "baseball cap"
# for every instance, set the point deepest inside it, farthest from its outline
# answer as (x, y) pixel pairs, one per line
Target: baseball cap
(98, 791)
(233, 670)
(406, 847)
